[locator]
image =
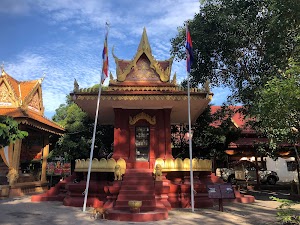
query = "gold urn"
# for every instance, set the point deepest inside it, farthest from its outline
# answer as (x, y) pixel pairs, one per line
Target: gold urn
(135, 206)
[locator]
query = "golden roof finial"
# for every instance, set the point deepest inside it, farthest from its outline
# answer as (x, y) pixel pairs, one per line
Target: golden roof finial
(76, 86)
(111, 77)
(144, 43)
(42, 79)
(206, 86)
(174, 81)
(2, 68)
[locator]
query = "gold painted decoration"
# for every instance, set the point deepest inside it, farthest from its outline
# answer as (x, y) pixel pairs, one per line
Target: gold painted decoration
(5, 96)
(184, 165)
(35, 102)
(144, 50)
(142, 116)
(102, 165)
(142, 72)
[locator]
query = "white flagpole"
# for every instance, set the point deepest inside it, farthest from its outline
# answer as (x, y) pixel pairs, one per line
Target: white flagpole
(93, 144)
(190, 138)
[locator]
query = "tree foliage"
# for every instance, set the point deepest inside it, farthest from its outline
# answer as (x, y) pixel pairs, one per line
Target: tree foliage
(214, 132)
(277, 108)
(77, 140)
(211, 135)
(9, 131)
(241, 44)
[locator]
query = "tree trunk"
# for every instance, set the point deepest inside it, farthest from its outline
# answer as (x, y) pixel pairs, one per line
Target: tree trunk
(257, 175)
(297, 162)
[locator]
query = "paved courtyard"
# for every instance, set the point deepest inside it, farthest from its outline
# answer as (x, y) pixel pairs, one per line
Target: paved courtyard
(19, 211)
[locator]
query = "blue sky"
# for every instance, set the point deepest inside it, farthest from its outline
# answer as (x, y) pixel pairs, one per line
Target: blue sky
(63, 39)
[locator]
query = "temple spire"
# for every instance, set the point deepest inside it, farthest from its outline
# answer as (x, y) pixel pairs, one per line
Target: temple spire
(144, 43)
(2, 69)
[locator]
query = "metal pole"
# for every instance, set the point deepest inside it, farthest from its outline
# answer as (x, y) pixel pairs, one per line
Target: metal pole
(92, 150)
(190, 146)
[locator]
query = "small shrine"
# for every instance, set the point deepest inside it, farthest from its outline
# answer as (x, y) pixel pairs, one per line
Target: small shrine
(142, 180)
(22, 100)
(142, 103)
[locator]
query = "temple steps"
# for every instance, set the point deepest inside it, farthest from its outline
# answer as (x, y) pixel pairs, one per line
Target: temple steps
(138, 185)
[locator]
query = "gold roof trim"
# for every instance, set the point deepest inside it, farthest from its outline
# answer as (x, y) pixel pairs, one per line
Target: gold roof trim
(144, 48)
(142, 116)
(141, 88)
(139, 97)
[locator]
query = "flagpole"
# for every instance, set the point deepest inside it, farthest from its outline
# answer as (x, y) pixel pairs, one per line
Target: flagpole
(92, 150)
(93, 139)
(190, 137)
(190, 146)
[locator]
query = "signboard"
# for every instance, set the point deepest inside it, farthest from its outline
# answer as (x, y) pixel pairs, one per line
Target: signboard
(227, 191)
(214, 191)
(220, 191)
(58, 168)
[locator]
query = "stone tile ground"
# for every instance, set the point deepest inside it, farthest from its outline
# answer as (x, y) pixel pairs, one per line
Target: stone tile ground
(263, 212)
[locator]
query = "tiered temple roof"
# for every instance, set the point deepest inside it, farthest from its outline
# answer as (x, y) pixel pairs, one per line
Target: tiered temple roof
(23, 101)
(143, 83)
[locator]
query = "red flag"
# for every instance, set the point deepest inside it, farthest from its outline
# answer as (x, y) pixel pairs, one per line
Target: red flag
(105, 60)
(189, 50)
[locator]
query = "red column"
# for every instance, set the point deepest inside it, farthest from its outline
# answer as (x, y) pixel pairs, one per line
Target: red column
(161, 137)
(153, 146)
(132, 152)
(117, 131)
(167, 125)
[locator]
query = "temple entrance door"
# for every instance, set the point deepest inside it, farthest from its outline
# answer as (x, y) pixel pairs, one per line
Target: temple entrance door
(142, 143)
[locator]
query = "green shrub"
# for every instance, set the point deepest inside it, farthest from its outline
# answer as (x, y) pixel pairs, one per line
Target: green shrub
(286, 214)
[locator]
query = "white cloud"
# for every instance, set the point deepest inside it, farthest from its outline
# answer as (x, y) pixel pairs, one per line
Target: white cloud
(14, 7)
(64, 59)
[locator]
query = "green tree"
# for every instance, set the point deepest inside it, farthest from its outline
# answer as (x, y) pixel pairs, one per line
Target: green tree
(77, 140)
(241, 44)
(9, 131)
(212, 134)
(277, 110)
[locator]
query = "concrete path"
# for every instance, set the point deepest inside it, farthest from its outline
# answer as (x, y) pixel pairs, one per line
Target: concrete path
(24, 212)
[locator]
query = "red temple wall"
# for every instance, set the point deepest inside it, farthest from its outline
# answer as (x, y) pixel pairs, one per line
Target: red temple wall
(124, 134)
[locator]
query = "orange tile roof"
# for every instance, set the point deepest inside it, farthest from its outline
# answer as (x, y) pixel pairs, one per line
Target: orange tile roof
(26, 88)
(31, 118)
(238, 118)
(23, 114)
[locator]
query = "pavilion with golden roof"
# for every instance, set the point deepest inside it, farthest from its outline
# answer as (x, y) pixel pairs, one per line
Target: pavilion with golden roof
(22, 100)
(142, 181)
(142, 103)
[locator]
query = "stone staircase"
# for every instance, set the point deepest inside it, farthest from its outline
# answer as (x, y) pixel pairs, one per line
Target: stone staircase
(137, 184)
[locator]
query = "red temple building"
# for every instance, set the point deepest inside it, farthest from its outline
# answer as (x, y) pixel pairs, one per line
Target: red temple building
(22, 100)
(142, 103)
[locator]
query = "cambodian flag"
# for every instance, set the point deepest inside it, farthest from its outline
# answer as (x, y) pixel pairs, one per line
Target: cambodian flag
(189, 51)
(105, 60)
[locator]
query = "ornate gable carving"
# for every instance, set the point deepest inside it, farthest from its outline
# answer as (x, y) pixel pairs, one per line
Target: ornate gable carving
(34, 104)
(34, 100)
(143, 71)
(143, 67)
(6, 98)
